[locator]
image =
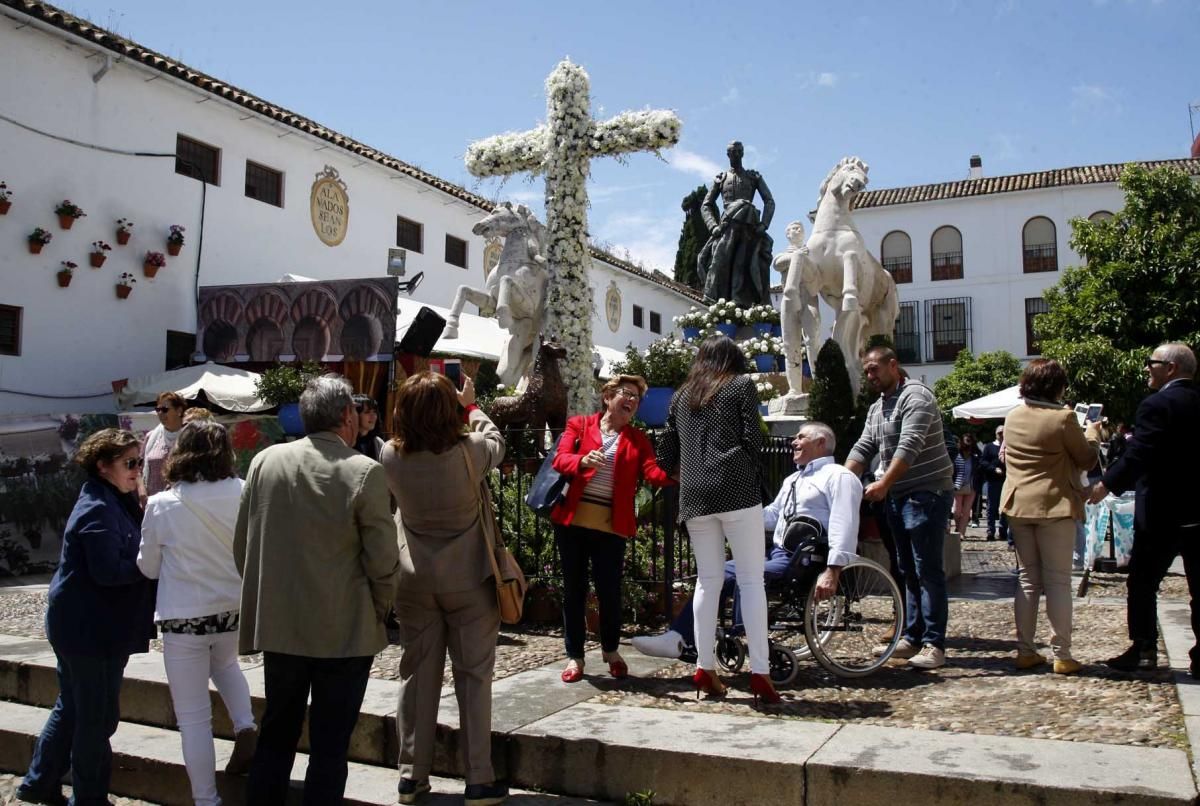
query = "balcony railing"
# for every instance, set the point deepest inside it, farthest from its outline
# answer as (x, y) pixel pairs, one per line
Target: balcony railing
(1041, 257)
(899, 267)
(946, 265)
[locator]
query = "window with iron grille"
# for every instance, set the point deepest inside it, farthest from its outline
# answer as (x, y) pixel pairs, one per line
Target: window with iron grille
(409, 234)
(197, 160)
(1039, 242)
(655, 322)
(637, 316)
(908, 333)
(896, 256)
(946, 254)
(456, 251)
(10, 330)
(1034, 306)
(947, 328)
(264, 184)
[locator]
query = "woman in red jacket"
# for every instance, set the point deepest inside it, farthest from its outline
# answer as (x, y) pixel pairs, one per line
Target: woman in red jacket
(604, 457)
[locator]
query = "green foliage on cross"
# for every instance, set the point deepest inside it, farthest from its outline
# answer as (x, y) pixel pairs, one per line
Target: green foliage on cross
(1139, 288)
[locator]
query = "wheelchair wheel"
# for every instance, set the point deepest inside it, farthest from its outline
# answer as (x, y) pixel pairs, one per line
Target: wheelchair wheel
(846, 632)
(783, 664)
(731, 653)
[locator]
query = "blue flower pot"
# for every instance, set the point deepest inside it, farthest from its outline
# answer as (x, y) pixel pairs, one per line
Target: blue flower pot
(764, 363)
(762, 409)
(653, 409)
(763, 328)
(289, 420)
(690, 333)
(727, 330)
(781, 362)
(777, 330)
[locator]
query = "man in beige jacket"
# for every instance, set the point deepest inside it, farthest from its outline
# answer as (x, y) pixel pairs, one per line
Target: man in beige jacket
(317, 550)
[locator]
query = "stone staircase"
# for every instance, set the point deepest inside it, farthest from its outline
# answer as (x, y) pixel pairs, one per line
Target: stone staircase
(551, 737)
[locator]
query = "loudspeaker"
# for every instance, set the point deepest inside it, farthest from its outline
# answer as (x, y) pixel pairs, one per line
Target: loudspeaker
(423, 333)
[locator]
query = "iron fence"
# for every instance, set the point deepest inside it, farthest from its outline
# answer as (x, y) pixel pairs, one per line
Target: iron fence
(656, 558)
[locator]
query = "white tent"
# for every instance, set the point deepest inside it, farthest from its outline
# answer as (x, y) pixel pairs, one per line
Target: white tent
(229, 388)
(997, 405)
(478, 336)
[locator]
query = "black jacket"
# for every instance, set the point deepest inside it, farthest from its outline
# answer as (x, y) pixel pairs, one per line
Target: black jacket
(989, 463)
(1160, 460)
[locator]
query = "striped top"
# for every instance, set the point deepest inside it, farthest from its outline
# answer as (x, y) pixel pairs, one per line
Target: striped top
(964, 471)
(599, 489)
(908, 426)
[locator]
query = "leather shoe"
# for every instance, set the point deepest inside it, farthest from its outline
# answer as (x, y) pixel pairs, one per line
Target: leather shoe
(49, 798)
(1135, 659)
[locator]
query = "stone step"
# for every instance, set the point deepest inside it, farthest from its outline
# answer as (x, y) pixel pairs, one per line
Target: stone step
(548, 736)
(148, 765)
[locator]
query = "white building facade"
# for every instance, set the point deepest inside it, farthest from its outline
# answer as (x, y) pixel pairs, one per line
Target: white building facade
(972, 258)
(102, 121)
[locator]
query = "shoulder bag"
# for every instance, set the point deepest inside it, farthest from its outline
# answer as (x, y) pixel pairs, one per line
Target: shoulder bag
(510, 580)
(549, 487)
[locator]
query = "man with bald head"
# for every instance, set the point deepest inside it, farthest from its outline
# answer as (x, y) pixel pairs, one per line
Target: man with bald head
(1159, 462)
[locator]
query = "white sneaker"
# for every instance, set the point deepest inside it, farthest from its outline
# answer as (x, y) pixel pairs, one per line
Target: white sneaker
(930, 657)
(905, 649)
(667, 645)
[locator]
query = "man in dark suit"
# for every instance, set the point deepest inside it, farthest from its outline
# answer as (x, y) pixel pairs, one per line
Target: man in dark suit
(1160, 462)
(992, 470)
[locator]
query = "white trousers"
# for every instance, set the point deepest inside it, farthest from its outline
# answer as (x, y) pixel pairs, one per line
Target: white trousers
(743, 528)
(190, 661)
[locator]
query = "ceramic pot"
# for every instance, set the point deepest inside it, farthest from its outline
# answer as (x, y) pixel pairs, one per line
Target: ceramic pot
(173, 248)
(289, 420)
(64, 279)
(66, 221)
(4, 207)
(727, 330)
(97, 259)
(123, 291)
(123, 236)
(653, 408)
(764, 363)
(149, 269)
(690, 332)
(35, 247)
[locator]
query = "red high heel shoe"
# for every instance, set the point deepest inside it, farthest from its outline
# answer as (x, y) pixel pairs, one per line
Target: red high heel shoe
(761, 687)
(709, 683)
(573, 673)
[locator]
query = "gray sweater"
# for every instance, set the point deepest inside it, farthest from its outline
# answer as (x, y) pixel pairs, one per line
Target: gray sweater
(907, 425)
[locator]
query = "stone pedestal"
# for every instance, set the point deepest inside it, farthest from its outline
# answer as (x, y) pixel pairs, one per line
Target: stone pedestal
(790, 405)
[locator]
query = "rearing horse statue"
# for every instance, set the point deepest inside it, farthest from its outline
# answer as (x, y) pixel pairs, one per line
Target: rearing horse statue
(516, 287)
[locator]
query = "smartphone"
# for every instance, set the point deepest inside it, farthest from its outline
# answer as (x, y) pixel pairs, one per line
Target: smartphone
(1094, 412)
(453, 371)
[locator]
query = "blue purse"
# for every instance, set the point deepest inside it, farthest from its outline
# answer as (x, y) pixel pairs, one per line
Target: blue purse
(549, 487)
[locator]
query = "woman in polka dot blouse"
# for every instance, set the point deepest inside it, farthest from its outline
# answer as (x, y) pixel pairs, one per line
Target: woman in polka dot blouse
(713, 443)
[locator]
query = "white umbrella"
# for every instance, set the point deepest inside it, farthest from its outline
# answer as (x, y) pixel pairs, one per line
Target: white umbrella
(231, 389)
(995, 406)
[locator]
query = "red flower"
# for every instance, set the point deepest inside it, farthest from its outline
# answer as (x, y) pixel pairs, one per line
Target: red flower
(246, 436)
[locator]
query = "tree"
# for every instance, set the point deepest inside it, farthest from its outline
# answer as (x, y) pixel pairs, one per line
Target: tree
(972, 378)
(1139, 288)
(691, 239)
(831, 399)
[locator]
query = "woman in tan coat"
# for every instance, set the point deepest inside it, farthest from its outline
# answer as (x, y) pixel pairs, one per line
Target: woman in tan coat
(1046, 453)
(446, 599)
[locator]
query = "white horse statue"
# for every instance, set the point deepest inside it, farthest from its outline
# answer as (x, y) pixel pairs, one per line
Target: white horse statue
(836, 265)
(515, 288)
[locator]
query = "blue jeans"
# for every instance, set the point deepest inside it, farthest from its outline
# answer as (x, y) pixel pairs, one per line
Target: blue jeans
(918, 523)
(776, 566)
(77, 733)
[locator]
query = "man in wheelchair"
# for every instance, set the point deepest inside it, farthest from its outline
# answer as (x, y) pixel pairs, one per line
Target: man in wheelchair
(821, 496)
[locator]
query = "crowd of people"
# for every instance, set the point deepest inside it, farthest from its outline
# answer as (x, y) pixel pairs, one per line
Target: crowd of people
(331, 535)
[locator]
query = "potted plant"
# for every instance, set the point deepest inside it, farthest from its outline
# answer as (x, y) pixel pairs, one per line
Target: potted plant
(691, 323)
(64, 273)
(281, 386)
(175, 240)
(5, 198)
(763, 351)
(763, 318)
(766, 391)
(725, 317)
(125, 285)
(97, 255)
(67, 212)
(124, 231)
(664, 365)
(37, 239)
(152, 263)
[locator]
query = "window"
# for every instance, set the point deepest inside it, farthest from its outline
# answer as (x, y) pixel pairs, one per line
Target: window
(10, 330)
(896, 252)
(637, 316)
(456, 251)
(655, 322)
(180, 346)
(908, 333)
(1100, 215)
(197, 160)
(946, 254)
(947, 328)
(409, 234)
(1033, 307)
(264, 184)
(1040, 243)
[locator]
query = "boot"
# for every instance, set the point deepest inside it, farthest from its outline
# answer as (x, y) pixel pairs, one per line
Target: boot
(1139, 657)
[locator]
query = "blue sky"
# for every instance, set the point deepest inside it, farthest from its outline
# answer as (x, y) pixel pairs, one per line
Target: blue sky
(913, 88)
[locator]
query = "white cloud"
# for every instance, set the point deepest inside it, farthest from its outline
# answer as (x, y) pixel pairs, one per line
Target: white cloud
(827, 79)
(689, 162)
(1094, 99)
(650, 239)
(731, 97)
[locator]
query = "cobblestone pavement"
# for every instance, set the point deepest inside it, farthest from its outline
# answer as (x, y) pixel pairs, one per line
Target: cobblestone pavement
(9, 784)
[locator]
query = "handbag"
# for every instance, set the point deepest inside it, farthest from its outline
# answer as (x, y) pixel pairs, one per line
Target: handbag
(510, 580)
(549, 487)
(804, 535)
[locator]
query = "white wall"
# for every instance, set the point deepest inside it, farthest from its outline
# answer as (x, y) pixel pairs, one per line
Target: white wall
(75, 341)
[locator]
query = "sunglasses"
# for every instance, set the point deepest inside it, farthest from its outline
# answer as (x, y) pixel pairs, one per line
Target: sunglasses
(1152, 361)
(162, 409)
(130, 464)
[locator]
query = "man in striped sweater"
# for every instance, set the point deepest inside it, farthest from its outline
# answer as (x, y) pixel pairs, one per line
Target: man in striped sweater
(915, 481)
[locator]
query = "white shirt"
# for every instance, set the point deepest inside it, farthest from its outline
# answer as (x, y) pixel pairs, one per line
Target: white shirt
(827, 492)
(192, 562)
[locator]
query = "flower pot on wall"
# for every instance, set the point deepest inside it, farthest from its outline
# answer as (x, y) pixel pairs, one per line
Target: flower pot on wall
(149, 269)
(64, 279)
(122, 237)
(35, 247)
(4, 207)
(653, 409)
(123, 291)
(97, 259)
(173, 248)
(65, 221)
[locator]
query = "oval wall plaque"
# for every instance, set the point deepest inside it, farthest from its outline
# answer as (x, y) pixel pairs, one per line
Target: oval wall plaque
(612, 306)
(330, 206)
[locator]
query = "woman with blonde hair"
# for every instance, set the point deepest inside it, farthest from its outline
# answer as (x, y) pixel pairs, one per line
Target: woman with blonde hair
(605, 457)
(446, 594)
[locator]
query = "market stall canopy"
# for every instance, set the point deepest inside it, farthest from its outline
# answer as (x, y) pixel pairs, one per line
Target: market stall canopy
(478, 336)
(231, 389)
(995, 406)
